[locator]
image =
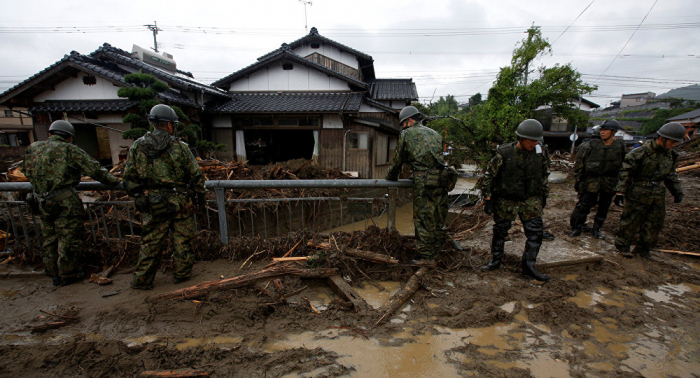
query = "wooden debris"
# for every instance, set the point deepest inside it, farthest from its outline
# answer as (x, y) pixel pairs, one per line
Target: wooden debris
(401, 296)
(311, 306)
(284, 259)
(41, 328)
(178, 373)
(679, 252)
(321, 245)
(95, 278)
(65, 317)
(688, 167)
(345, 291)
(372, 256)
(205, 288)
(109, 272)
(585, 260)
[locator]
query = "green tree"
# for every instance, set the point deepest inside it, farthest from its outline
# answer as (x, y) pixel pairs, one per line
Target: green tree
(660, 117)
(516, 95)
(144, 89)
(475, 100)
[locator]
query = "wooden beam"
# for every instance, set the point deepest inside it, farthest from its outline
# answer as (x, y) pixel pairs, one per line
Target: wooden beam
(401, 296)
(344, 290)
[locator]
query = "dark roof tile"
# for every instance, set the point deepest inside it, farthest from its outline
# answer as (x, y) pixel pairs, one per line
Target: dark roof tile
(83, 106)
(691, 114)
(291, 102)
(393, 89)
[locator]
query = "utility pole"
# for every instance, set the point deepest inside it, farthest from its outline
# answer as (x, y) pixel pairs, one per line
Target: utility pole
(155, 29)
(306, 20)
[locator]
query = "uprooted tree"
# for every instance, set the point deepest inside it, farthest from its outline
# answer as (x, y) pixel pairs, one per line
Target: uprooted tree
(513, 98)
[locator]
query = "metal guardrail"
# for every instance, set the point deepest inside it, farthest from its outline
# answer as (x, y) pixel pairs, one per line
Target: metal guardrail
(219, 187)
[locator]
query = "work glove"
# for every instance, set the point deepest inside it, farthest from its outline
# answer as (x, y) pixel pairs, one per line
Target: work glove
(488, 207)
(619, 200)
(678, 198)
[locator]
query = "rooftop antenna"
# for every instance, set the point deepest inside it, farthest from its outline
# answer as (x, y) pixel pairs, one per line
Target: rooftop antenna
(155, 29)
(306, 21)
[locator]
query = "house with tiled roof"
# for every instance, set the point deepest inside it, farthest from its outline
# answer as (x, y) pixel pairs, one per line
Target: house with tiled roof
(83, 90)
(313, 98)
(689, 120)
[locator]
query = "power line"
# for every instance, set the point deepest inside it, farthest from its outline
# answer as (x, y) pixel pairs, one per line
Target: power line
(576, 19)
(628, 41)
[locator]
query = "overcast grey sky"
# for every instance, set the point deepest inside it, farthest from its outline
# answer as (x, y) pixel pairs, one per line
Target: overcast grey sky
(447, 46)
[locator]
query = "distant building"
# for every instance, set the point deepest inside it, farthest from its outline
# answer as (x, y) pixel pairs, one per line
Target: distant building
(16, 131)
(636, 99)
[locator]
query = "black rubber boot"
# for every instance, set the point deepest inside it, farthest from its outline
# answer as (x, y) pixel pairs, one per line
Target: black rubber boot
(528, 265)
(596, 231)
(500, 231)
(598, 224)
(533, 232)
(575, 232)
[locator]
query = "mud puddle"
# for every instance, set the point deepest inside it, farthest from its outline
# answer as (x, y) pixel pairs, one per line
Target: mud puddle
(404, 222)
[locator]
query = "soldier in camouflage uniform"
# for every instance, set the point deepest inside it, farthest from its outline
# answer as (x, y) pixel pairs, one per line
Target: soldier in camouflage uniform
(54, 167)
(159, 169)
(598, 163)
(645, 172)
(421, 148)
(515, 184)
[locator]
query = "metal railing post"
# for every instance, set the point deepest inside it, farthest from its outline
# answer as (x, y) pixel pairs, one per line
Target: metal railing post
(221, 207)
(391, 210)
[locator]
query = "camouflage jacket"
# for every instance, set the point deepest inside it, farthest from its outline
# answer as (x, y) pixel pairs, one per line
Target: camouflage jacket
(55, 164)
(530, 161)
(158, 162)
(420, 147)
(645, 169)
(597, 165)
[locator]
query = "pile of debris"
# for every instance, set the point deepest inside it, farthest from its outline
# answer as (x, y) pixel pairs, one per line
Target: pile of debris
(562, 161)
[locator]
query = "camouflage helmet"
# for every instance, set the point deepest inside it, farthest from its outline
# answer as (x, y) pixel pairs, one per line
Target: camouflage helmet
(62, 127)
(407, 113)
(610, 124)
(596, 132)
(674, 131)
(530, 129)
(162, 113)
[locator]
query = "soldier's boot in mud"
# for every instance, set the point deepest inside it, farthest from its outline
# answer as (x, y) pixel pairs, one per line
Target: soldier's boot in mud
(56, 280)
(533, 233)
(597, 224)
(643, 253)
(575, 232)
(528, 265)
(497, 251)
(586, 228)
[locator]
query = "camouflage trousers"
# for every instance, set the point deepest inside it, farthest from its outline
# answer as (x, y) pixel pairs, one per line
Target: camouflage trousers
(153, 242)
(528, 209)
(647, 219)
(429, 215)
(63, 246)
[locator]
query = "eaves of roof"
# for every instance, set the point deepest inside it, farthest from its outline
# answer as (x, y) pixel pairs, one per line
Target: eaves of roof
(290, 102)
(378, 123)
(83, 106)
(285, 53)
(378, 104)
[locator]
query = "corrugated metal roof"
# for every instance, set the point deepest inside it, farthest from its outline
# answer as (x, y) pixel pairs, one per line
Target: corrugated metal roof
(393, 89)
(291, 102)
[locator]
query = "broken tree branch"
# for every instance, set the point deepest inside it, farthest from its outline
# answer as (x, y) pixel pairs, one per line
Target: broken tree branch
(205, 288)
(401, 296)
(345, 291)
(372, 256)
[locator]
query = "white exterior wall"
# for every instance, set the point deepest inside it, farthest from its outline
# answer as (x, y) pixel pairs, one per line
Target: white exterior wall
(364, 108)
(332, 121)
(74, 89)
(299, 78)
(331, 52)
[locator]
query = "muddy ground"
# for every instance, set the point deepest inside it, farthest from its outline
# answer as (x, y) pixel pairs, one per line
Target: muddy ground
(621, 317)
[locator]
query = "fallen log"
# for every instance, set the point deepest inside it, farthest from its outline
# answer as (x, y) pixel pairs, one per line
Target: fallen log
(205, 288)
(178, 373)
(371, 256)
(401, 296)
(345, 291)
